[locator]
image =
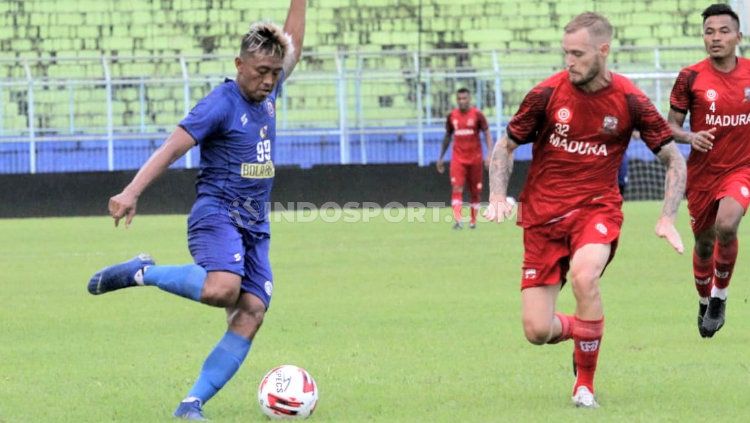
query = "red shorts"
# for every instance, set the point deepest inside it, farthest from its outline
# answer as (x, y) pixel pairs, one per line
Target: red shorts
(461, 173)
(703, 205)
(548, 248)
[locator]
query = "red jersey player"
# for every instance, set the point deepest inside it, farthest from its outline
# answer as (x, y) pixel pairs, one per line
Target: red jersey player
(464, 124)
(716, 93)
(580, 122)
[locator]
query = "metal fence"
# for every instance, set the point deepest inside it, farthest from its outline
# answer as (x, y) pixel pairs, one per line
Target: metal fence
(110, 113)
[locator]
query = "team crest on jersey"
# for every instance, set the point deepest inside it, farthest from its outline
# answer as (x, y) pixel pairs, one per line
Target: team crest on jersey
(563, 115)
(470, 122)
(747, 93)
(270, 108)
(711, 94)
(610, 124)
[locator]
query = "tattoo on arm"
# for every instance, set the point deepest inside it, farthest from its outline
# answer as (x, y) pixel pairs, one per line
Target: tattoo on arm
(674, 183)
(501, 166)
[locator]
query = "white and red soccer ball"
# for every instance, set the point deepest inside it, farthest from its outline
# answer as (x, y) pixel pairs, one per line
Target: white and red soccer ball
(287, 392)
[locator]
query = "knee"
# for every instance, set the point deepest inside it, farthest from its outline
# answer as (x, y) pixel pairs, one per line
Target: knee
(220, 294)
(726, 230)
(536, 333)
(246, 321)
(704, 247)
(586, 286)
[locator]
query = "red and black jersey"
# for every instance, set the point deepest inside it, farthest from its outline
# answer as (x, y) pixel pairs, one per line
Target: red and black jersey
(466, 127)
(579, 141)
(718, 100)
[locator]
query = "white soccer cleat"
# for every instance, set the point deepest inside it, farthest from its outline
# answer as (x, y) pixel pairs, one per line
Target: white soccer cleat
(584, 398)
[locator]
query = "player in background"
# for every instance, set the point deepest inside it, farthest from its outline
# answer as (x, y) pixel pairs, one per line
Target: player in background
(228, 228)
(716, 93)
(580, 122)
(464, 124)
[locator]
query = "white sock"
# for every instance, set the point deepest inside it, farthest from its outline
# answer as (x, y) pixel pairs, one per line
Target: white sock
(703, 300)
(719, 292)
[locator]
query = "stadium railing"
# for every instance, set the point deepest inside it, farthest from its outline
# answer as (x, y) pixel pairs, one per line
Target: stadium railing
(110, 113)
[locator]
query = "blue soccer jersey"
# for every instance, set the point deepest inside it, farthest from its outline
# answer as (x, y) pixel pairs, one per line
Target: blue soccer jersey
(236, 139)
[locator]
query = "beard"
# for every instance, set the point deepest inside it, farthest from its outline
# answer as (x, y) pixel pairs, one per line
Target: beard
(589, 76)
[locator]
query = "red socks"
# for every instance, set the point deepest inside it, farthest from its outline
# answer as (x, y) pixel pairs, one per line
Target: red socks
(724, 259)
(587, 336)
(702, 270)
(475, 197)
(457, 201)
(566, 322)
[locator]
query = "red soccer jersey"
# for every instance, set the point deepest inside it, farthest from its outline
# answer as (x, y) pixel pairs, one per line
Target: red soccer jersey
(579, 141)
(715, 100)
(465, 127)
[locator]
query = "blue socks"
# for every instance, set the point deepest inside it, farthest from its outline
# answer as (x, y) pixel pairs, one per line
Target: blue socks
(186, 281)
(220, 366)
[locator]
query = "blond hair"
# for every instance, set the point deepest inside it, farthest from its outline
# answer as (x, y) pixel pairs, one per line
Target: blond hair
(269, 39)
(597, 25)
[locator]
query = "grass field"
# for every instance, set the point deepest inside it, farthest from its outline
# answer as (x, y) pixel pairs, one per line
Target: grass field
(398, 322)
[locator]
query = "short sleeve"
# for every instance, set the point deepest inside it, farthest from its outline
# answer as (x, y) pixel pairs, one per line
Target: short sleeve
(529, 118)
(207, 117)
(448, 124)
(680, 98)
(655, 131)
(481, 121)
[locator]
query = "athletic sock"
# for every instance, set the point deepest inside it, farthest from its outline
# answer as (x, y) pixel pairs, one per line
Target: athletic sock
(457, 203)
(587, 336)
(566, 323)
(474, 210)
(186, 281)
(724, 259)
(220, 366)
(702, 271)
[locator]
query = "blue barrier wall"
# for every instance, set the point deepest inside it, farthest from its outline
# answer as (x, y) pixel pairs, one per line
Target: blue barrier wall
(290, 150)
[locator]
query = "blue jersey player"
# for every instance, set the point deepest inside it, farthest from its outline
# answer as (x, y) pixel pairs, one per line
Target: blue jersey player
(228, 230)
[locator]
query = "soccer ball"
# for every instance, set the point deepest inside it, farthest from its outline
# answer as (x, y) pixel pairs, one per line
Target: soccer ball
(287, 392)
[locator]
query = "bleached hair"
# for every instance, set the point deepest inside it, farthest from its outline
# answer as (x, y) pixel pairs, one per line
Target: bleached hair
(269, 39)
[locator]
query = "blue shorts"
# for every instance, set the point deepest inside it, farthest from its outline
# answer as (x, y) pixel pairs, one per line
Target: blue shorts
(217, 244)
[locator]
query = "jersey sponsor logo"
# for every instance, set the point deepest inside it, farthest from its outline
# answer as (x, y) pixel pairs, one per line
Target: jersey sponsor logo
(711, 94)
(610, 124)
(258, 170)
(243, 119)
(728, 120)
(563, 115)
(270, 108)
(264, 132)
(529, 274)
(589, 346)
(578, 147)
(464, 132)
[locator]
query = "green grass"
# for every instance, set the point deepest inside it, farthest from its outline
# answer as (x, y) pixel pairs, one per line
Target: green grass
(398, 322)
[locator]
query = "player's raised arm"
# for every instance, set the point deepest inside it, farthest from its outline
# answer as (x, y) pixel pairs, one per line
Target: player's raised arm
(501, 166)
(674, 189)
(124, 203)
(295, 27)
